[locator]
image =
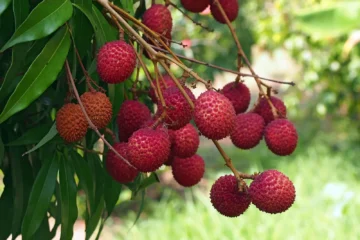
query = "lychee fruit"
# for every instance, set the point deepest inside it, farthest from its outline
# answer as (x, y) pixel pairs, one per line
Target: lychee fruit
(263, 108)
(272, 192)
(71, 123)
(214, 115)
(168, 82)
(231, 8)
(226, 197)
(185, 141)
(248, 130)
(117, 168)
(98, 107)
(131, 117)
(188, 171)
(116, 61)
(178, 112)
(238, 94)
(158, 18)
(281, 137)
(195, 6)
(148, 149)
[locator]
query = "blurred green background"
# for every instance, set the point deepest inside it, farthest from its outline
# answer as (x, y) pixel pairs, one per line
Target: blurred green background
(313, 43)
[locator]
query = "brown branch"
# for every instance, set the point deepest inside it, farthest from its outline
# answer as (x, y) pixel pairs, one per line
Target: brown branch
(91, 124)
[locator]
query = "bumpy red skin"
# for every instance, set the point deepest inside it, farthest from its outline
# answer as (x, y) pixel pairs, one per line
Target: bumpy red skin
(169, 83)
(132, 115)
(116, 61)
(281, 137)
(226, 198)
(185, 141)
(158, 18)
(214, 115)
(264, 109)
(195, 6)
(188, 171)
(272, 192)
(148, 149)
(118, 169)
(248, 130)
(231, 8)
(239, 96)
(98, 107)
(71, 122)
(179, 112)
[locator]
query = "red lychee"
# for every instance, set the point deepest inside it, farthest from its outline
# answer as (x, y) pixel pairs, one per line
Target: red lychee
(248, 130)
(148, 149)
(188, 171)
(116, 61)
(158, 18)
(214, 115)
(226, 198)
(264, 109)
(238, 94)
(185, 141)
(98, 107)
(272, 192)
(131, 116)
(231, 8)
(168, 82)
(179, 112)
(117, 168)
(281, 137)
(195, 6)
(71, 122)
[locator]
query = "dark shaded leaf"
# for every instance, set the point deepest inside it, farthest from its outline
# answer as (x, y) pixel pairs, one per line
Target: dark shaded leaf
(3, 5)
(6, 25)
(112, 190)
(6, 207)
(2, 150)
(42, 72)
(21, 11)
(141, 9)
(153, 178)
(50, 135)
(85, 178)
(46, 17)
(69, 210)
(141, 208)
(22, 182)
(103, 31)
(40, 196)
(98, 176)
(43, 231)
(116, 95)
(32, 136)
(94, 219)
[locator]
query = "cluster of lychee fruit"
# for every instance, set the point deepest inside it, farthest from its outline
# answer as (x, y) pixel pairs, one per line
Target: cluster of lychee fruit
(169, 137)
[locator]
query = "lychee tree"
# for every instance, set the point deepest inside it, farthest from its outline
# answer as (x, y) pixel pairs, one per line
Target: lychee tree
(78, 118)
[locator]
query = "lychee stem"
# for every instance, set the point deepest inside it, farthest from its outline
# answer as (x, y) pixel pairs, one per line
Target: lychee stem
(188, 17)
(158, 88)
(91, 124)
(88, 150)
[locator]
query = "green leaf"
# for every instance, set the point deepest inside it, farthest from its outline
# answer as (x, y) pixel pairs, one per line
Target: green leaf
(17, 62)
(103, 31)
(6, 207)
(50, 135)
(94, 219)
(40, 75)
(2, 150)
(22, 183)
(112, 190)
(40, 196)
(46, 17)
(21, 11)
(85, 178)
(330, 21)
(32, 136)
(142, 203)
(43, 231)
(98, 176)
(69, 210)
(3, 5)
(153, 178)
(116, 95)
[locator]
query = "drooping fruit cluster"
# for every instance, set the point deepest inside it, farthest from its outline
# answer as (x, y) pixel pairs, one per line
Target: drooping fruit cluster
(116, 61)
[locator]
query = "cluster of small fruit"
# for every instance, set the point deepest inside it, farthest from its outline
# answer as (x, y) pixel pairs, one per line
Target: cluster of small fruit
(147, 142)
